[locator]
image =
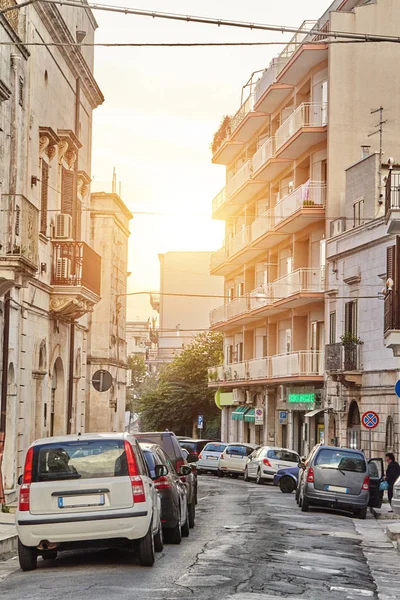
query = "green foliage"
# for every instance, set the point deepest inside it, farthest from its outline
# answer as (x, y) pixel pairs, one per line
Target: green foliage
(181, 393)
(349, 339)
(137, 367)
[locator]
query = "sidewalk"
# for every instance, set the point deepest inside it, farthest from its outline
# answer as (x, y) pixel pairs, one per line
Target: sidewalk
(8, 535)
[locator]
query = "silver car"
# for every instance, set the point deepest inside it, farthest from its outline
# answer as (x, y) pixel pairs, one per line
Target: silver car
(265, 462)
(341, 478)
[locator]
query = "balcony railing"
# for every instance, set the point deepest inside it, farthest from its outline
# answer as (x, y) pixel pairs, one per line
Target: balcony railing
(239, 241)
(217, 258)
(237, 307)
(243, 175)
(392, 191)
(306, 115)
(294, 44)
(264, 153)
(308, 195)
(19, 230)
(220, 199)
(245, 108)
(303, 363)
(218, 315)
(301, 280)
(343, 357)
(75, 264)
(269, 76)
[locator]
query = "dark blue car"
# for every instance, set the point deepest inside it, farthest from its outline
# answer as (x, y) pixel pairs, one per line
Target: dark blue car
(287, 479)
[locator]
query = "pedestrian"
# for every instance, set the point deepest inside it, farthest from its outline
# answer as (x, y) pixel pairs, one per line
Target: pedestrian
(392, 473)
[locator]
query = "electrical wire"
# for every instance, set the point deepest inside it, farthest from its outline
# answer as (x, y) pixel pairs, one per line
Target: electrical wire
(262, 296)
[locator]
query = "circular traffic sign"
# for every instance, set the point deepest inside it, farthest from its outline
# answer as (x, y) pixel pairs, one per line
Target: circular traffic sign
(259, 412)
(397, 388)
(370, 419)
(102, 380)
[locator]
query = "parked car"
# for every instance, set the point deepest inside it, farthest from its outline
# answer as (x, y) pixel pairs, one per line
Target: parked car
(287, 479)
(209, 457)
(396, 497)
(194, 447)
(341, 478)
(80, 488)
(233, 459)
(174, 511)
(266, 461)
(169, 443)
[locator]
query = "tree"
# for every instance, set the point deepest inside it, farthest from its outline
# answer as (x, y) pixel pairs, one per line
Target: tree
(138, 373)
(181, 391)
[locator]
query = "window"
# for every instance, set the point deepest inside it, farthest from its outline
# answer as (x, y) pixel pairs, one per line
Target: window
(350, 317)
(229, 354)
(341, 460)
(391, 310)
(214, 448)
(21, 91)
(44, 197)
(332, 328)
(240, 289)
(389, 443)
(137, 341)
(239, 450)
(265, 346)
(239, 352)
(285, 455)
(358, 213)
(229, 293)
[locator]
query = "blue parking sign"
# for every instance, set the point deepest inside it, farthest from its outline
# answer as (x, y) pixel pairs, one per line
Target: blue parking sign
(200, 422)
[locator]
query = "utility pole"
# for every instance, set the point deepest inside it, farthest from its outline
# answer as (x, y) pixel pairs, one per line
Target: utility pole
(380, 131)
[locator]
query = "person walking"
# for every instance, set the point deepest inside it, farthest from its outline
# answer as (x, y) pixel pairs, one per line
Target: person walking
(392, 473)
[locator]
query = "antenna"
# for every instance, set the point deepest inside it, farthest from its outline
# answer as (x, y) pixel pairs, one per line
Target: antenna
(380, 131)
(114, 182)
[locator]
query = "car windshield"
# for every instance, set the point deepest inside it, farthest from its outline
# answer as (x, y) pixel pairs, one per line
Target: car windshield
(86, 459)
(341, 460)
(215, 447)
(284, 455)
(239, 450)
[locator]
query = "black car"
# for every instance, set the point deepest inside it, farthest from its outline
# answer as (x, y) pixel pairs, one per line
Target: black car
(194, 447)
(169, 443)
(174, 510)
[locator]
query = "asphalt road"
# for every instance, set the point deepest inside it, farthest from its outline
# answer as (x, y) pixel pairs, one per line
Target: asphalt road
(250, 543)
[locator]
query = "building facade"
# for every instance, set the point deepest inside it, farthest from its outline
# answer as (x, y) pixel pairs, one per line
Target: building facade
(286, 150)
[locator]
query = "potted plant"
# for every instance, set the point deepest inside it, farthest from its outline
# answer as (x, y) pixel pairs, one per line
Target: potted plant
(350, 343)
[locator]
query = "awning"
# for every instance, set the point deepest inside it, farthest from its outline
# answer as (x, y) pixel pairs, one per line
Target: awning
(312, 413)
(238, 413)
(250, 416)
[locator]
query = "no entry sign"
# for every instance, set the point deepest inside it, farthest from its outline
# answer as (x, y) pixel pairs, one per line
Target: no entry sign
(370, 419)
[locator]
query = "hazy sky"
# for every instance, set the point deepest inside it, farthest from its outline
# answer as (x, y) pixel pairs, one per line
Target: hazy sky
(162, 107)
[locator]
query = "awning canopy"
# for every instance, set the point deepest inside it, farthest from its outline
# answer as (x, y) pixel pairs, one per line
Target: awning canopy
(238, 413)
(312, 413)
(250, 416)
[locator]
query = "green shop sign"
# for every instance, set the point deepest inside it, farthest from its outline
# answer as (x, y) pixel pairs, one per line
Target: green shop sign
(301, 398)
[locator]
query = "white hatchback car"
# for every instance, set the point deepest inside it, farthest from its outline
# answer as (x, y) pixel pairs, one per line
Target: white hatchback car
(85, 488)
(234, 458)
(267, 460)
(209, 457)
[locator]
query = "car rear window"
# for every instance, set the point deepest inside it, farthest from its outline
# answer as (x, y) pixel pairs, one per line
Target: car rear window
(189, 446)
(150, 462)
(277, 454)
(341, 460)
(215, 447)
(86, 459)
(165, 441)
(239, 450)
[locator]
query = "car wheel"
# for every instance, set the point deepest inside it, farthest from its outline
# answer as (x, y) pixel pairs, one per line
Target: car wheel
(362, 513)
(235, 475)
(287, 485)
(27, 557)
(185, 526)
(175, 534)
(220, 473)
(192, 514)
(246, 475)
(305, 505)
(49, 554)
(298, 496)
(146, 549)
(259, 478)
(159, 540)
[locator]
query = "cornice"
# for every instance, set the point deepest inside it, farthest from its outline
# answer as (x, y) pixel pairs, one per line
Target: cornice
(14, 37)
(59, 32)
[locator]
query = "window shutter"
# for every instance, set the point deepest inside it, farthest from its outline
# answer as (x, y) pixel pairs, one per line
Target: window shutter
(67, 192)
(347, 317)
(78, 220)
(43, 197)
(391, 297)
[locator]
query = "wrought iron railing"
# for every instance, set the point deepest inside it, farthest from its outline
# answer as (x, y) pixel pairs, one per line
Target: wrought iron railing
(19, 229)
(76, 264)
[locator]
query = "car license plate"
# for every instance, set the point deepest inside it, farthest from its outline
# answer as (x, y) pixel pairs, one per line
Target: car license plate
(336, 488)
(81, 501)
(211, 457)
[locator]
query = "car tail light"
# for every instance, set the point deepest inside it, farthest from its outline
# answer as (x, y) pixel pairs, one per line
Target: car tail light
(365, 485)
(310, 475)
(138, 492)
(24, 492)
(162, 483)
(266, 462)
(200, 456)
(179, 463)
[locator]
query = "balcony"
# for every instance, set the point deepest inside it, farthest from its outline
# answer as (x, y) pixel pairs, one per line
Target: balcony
(76, 275)
(266, 166)
(303, 206)
(155, 302)
(302, 365)
(268, 93)
(219, 264)
(246, 121)
(392, 201)
(19, 241)
(343, 363)
(224, 149)
(298, 288)
(241, 187)
(304, 128)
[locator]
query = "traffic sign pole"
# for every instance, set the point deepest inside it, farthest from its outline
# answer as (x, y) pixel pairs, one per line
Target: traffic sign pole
(370, 420)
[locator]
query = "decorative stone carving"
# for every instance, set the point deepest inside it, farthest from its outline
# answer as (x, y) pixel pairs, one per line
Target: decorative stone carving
(44, 141)
(51, 151)
(62, 150)
(69, 309)
(70, 158)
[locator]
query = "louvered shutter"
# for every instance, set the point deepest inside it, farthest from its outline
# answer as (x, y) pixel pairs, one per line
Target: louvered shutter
(78, 232)
(347, 317)
(390, 296)
(67, 192)
(43, 197)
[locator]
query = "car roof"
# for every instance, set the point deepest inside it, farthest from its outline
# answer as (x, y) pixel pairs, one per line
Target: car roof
(148, 446)
(193, 440)
(280, 448)
(354, 450)
(242, 444)
(84, 436)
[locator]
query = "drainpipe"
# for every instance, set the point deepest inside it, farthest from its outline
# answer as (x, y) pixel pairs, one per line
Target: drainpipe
(71, 376)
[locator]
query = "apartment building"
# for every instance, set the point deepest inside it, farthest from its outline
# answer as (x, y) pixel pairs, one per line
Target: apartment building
(363, 259)
(285, 151)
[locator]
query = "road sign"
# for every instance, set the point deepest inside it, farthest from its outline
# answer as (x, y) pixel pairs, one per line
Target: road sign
(283, 417)
(370, 419)
(397, 388)
(200, 421)
(259, 416)
(102, 380)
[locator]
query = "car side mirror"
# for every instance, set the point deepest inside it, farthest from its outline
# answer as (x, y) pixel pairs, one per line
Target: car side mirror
(192, 457)
(160, 471)
(20, 480)
(301, 465)
(185, 470)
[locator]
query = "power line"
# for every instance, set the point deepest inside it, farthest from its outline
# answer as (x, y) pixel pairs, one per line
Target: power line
(263, 297)
(168, 44)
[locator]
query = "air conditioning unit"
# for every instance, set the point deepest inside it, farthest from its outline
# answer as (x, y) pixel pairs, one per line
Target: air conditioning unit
(338, 226)
(238, 396)
(63, 268)
(63, 227)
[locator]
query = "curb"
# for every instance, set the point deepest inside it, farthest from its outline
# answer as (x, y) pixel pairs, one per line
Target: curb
(8, 547)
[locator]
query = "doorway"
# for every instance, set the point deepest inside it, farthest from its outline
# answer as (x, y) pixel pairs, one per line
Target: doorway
(354, 426)
(58, 407)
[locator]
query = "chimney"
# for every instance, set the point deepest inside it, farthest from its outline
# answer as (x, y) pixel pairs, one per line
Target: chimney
(365, 150)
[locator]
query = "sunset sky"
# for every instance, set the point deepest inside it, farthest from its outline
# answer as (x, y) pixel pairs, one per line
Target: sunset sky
(162, 107)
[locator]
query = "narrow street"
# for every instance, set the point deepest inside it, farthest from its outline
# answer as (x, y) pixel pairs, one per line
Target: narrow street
(250, 543)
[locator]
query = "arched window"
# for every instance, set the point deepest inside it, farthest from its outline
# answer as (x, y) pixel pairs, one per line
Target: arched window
(389, 443)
